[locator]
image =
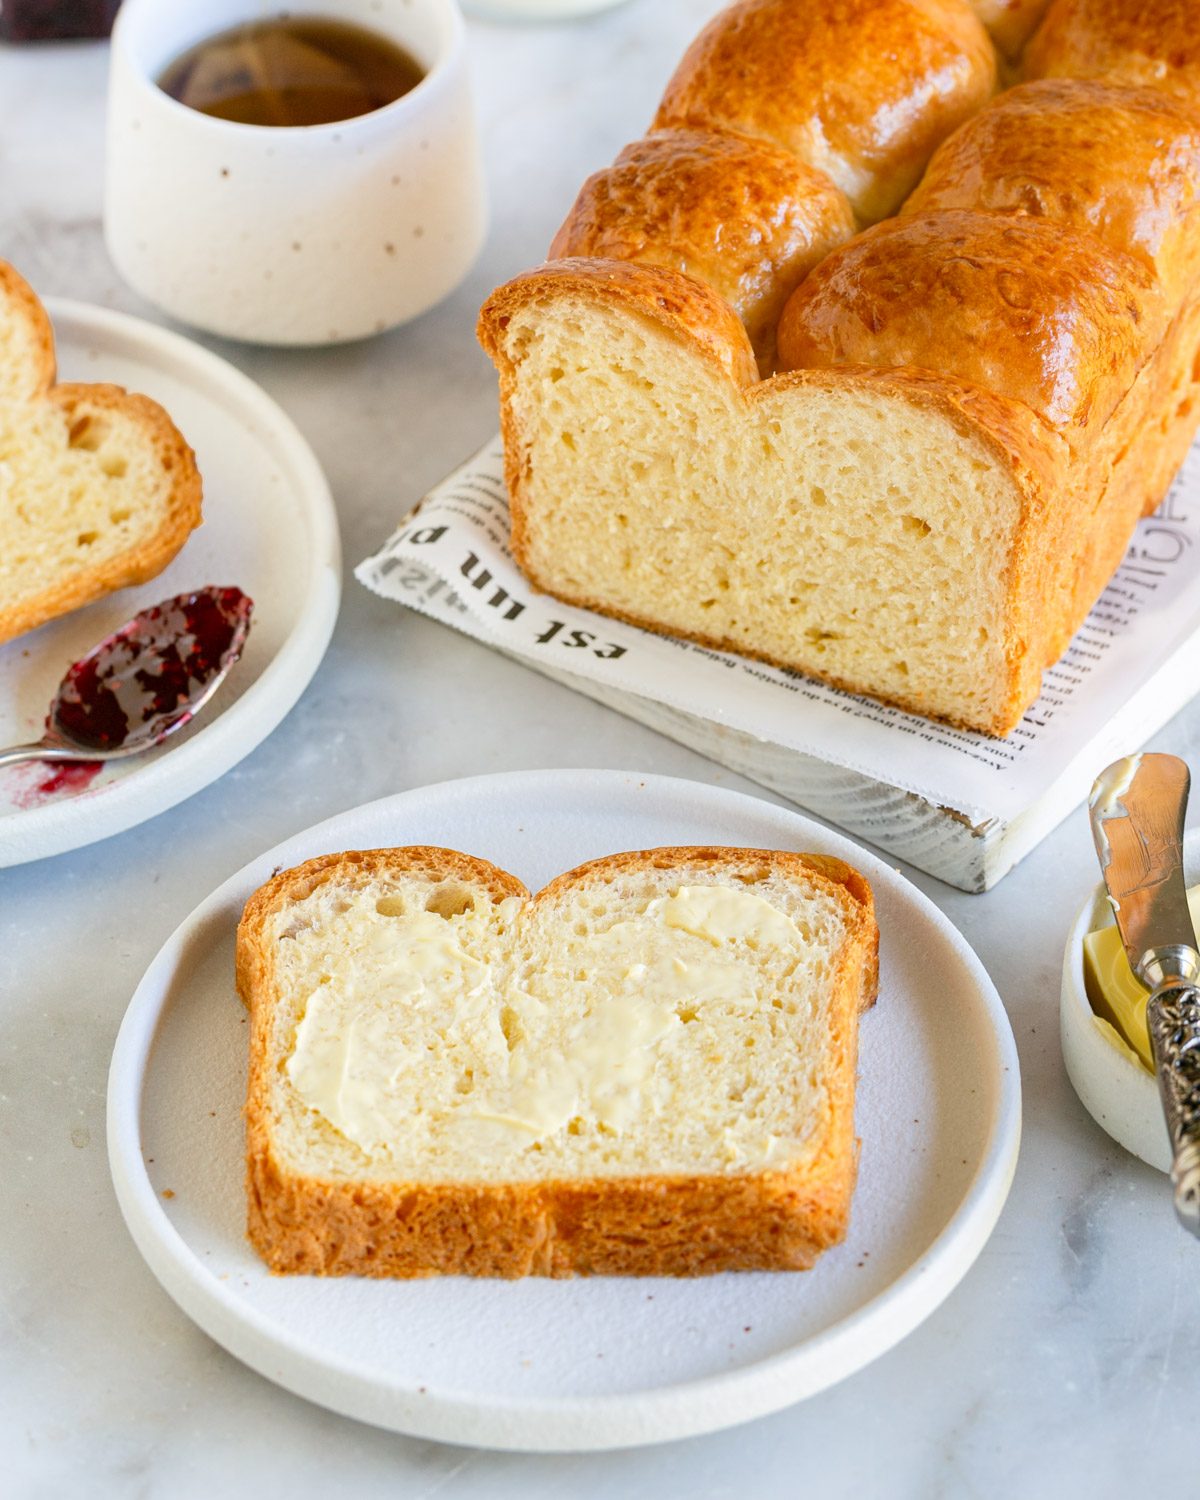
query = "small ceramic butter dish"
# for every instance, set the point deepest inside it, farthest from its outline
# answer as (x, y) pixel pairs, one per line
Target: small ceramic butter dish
(1116, 1090)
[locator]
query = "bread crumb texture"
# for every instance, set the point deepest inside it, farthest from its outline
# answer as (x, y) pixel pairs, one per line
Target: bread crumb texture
(646, 1023)
(849, 534)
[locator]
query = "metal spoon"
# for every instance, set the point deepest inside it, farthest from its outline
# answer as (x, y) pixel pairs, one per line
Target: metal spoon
(144, 681)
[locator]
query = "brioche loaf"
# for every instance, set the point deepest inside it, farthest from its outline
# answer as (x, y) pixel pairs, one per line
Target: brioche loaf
(98, 490)
(972, 403)
(646, 1069)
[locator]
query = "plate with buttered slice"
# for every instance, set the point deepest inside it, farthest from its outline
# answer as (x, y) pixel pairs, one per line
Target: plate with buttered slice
(563, 1110)
(134, 467)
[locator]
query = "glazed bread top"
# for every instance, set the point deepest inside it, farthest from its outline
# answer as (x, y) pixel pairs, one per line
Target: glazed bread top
(863, 90)
(1152, 42)
(743, 215)
(1010, 22)
(1120, 163)
(1051, 245)
(1040, 295)
(783, 121)
(1019, 306)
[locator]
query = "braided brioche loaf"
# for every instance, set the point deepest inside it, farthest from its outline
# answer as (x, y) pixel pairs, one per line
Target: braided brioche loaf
(903, 454)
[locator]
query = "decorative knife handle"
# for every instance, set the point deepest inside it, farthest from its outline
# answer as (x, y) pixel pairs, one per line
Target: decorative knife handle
(1173, 1019)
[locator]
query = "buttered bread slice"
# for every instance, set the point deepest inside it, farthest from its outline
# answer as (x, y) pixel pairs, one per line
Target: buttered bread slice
(646, 1069)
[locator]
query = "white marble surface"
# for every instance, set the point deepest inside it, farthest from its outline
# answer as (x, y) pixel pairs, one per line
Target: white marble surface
(1068, 1362)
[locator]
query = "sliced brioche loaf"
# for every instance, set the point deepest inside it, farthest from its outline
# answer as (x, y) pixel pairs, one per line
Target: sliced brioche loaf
(872, 528)
(98, 490)
(972, 404)
(648, 1068)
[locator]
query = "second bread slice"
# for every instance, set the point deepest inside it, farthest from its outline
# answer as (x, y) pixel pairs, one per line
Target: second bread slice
(98, 489)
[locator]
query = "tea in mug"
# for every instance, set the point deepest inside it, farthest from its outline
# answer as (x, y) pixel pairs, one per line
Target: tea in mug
(292, 70)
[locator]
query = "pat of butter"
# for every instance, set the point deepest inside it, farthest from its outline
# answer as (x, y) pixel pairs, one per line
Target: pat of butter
(1117, 997)
(719, 915)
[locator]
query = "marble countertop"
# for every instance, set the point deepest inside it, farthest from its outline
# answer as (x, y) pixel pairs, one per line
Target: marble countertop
(1068, 1361)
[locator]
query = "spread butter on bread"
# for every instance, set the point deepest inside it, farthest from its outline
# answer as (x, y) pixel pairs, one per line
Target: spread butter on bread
(647, 1068)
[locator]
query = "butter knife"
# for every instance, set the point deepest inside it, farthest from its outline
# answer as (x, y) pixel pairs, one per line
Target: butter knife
(1137, 809)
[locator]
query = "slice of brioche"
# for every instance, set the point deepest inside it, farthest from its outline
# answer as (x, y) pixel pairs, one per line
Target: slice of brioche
(646, 1069)
(98, 490)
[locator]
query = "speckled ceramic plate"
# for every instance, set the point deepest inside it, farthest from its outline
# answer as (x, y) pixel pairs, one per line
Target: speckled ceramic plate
(269, 529)
(592, 1363)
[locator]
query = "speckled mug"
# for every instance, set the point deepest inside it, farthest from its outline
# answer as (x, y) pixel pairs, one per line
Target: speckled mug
(292, 235)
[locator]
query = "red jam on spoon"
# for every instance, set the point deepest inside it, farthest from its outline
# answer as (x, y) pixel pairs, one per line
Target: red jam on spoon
(150, 677)
(139, 685)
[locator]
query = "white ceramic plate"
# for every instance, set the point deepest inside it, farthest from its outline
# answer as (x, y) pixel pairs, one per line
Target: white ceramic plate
(269, 529)
(593, 1363)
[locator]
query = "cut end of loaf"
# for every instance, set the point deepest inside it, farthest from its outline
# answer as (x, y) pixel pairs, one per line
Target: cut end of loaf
(862, 530)
(624, 1074)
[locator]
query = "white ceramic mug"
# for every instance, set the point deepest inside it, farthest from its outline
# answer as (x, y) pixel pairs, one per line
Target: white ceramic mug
(292, 235)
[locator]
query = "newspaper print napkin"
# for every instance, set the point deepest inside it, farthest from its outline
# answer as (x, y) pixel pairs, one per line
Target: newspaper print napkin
(1134, 662)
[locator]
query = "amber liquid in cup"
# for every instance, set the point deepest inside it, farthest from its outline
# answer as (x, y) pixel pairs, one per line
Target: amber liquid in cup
(292, 70)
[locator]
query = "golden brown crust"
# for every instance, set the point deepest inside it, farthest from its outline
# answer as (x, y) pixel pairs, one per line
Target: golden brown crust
(1009, 23)
(861, 89)
(1151, 42)
(680, 305)
(1018, 306)
(36, 376)
(1120, 163)
(744, 216)
(1124, 476)
(152, 553)
(658, 1225)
